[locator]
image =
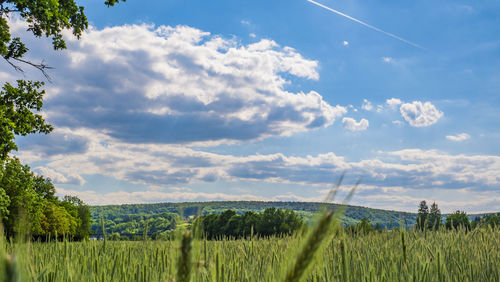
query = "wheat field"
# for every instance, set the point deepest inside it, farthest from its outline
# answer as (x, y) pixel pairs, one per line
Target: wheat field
(336, 256)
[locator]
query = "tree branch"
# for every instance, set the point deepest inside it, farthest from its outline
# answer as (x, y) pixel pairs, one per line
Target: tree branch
(41, 67)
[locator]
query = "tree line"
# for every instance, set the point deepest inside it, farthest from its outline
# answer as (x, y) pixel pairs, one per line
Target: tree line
(230, 224)
(431, 219)
(28, 205)
(137, 226)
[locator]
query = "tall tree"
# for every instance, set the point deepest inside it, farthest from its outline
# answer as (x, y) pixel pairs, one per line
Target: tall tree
(423, 212)
(23, 202)
(434, 219)
(82, 212)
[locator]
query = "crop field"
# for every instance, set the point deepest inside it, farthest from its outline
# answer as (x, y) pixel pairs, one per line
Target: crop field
(386, 256)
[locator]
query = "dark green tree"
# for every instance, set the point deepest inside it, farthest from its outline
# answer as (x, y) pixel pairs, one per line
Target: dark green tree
(458, 220)
(45, 189)
(493, 220)
(18, 183)
(17, 107)
(271, 222)
(83, 215)
(423, 212)
(28, 204)
(364, 226)
(434, 218)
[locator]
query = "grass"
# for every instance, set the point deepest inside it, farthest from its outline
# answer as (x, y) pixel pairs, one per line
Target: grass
(438, 256)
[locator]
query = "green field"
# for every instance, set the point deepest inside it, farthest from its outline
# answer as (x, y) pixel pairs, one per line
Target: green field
(386, 256)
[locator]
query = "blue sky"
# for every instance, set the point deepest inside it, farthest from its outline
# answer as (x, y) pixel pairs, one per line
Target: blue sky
(259, 100)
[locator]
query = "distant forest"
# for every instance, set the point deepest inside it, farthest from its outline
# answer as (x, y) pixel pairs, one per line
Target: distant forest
(155, 220)
(134, 221)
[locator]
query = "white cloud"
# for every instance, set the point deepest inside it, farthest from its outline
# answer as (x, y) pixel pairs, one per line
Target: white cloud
(420, 115)
(387, 60)
(252, 35)
(167, 169)
(367, 105)
(185, 86)
(345, 43)
(352, 125)
(208, 89)
(393, 103)
(59, 178)
(113, 198)
(173, 165)
(459, 137)
(393, 178)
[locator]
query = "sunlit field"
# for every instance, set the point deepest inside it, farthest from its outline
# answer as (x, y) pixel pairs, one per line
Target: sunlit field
(380, 256)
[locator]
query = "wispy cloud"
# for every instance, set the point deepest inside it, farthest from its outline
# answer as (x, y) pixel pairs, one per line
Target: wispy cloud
(367, 25)
(459, 137)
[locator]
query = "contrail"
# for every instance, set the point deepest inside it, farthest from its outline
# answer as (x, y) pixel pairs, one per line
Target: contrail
(367, 25)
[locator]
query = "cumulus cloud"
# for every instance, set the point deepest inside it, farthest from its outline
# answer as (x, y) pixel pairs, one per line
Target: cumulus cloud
(127, 100)
(180, 85)
(352, 125)
(420, 114)
(393, 103)
(367, 105)
(459, 137)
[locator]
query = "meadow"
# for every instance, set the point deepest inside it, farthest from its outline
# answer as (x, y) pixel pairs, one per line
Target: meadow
(331, 255)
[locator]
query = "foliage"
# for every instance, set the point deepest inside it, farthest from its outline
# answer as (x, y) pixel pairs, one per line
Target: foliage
(307, 210)
(423, 213)
(364, 227)
(434, 218)
(44, 17)
(458, 220)
(229, 224)
(133, 226)
(16, 113)
(112, 2)
(28, 204)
